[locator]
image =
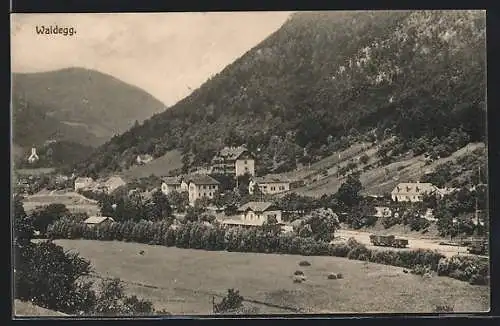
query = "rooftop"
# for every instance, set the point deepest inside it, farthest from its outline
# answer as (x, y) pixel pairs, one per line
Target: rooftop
(255, 206)
(232, 153)
(97, 219)
(272, 178)
(414, 187)
(202, 179)
(172, 180)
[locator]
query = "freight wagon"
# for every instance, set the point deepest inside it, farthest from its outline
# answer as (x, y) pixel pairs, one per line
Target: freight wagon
(388, 241)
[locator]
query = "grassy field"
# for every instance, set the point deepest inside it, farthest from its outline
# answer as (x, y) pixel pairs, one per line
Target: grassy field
(72, 200)
(184, 281)
(159, 167)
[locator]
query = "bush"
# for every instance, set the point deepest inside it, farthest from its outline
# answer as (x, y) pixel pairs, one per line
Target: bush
(298, 273)
(389, 221)
(418, 223)
(474, 270)
(421, 270)
(338, 250)
(358, 251)
(339, 275)
(443, 309)
(386, 257)
(232, 301)
(304, 263)
(332, 276)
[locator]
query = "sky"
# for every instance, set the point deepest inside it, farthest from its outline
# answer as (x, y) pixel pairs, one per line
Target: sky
(167, 54)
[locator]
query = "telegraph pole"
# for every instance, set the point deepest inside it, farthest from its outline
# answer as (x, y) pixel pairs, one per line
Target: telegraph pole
(477, 201)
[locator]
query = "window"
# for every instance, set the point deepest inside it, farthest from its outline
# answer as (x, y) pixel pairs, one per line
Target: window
(245, 162)
(282, 187)
(210, 194)
(273, 188)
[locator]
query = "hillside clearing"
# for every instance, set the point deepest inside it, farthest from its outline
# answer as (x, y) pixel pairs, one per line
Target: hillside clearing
(160, 166)
(183, 281)
(73, 201)
(380, 180)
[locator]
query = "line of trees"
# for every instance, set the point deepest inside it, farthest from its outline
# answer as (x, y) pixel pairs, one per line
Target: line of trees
(197, 235)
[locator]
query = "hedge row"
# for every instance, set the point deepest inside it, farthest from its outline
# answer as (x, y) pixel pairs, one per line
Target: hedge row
(198, 235)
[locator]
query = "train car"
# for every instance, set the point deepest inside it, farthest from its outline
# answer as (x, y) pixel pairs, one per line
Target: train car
(388, 241)
(478, 248)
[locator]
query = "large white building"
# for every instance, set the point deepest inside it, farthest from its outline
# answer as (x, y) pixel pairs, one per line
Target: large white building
(255, 214)
(234, 161)
(197, 186)
(82, 183)
(272, 184)
(412, 191)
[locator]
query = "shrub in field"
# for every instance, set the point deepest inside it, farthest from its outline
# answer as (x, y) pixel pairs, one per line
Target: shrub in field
(332, 276)
(233, 300)
(298, 273)
(443, 309)
(304, 263)
(339, 276)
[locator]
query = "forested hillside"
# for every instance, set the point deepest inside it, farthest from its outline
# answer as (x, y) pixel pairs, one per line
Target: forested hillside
(324, 81)
(80, 109)
(75, 104)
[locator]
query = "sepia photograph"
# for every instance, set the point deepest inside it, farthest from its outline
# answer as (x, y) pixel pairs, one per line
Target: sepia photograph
(249, 163)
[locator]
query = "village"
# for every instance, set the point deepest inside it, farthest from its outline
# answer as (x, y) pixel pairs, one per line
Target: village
(256, 208)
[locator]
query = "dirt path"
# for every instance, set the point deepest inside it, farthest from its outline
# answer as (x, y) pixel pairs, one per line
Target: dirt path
(364, 237)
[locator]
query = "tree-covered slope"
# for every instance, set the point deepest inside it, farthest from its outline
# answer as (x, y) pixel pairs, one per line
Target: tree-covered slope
(324, 80)
(75, 104)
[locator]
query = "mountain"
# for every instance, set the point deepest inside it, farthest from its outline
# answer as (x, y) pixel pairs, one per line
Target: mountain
(80, 108)
(324, 81)
(76, 104)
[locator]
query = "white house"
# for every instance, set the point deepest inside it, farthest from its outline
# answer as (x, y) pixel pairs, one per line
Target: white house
(98, 220)
(255, 214)
(234, 161)
(143, 159)
(83, 183)
(412, 192)
(197, 186)
(272, 184)
(201, 186)
(170, 184)
(113, 183)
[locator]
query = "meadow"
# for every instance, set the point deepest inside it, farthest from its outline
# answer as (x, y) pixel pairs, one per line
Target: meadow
(185, 281)
(27, 309)
(160, 166)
